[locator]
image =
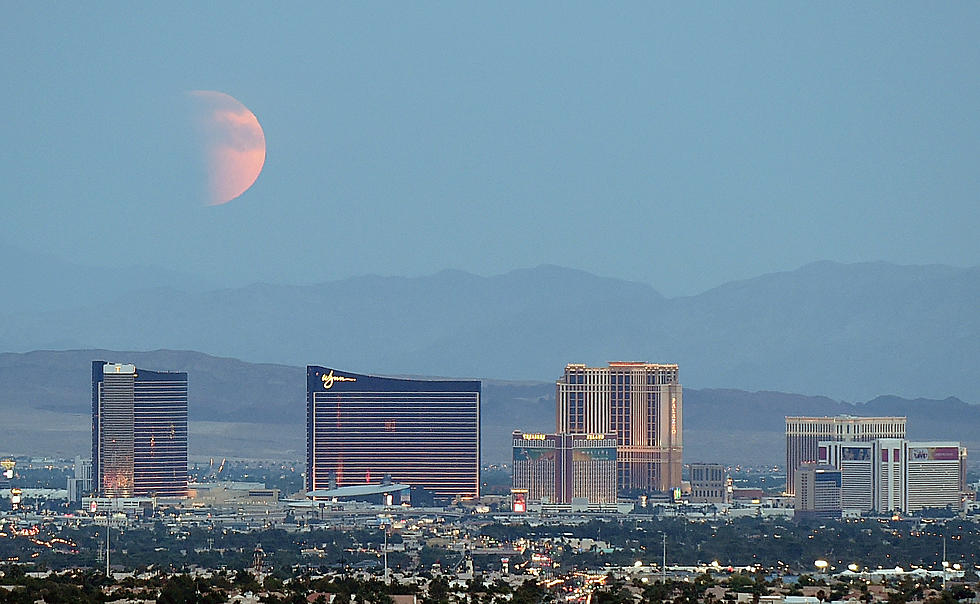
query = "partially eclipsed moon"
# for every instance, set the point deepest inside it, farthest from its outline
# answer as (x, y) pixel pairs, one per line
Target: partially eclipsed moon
(233, 141)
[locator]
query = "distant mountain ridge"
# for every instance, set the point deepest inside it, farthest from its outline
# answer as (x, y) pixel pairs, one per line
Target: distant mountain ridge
(849, 331)
(243, 409)
(34, 282)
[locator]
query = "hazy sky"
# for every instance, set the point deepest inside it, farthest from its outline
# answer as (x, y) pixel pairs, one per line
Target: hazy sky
(679, 146)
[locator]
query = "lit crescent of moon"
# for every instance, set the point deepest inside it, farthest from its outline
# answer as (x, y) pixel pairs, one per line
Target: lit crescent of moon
(234, 142)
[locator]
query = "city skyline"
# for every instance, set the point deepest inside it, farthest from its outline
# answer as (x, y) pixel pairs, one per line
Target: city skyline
(257, 399)
(519, 224)
(419, 435)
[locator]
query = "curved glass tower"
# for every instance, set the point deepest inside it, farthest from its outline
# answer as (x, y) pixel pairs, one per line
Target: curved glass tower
(361, 428)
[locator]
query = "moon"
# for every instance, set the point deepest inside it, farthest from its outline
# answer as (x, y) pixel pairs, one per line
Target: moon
(233, 141)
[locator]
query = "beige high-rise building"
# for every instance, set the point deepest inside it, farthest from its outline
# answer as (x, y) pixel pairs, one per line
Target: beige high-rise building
(803, 435)
(642, 404)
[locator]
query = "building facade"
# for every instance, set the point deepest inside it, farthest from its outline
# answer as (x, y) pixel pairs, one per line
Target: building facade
(818, 491)
(362, 428)
(557, 468)
(856, 464)
(896, 475)
(80, 484)
(642, 403)
(537, 466)
(803, 435)
(934, 475)
(139, 431)
(889, 475)
(709, 483)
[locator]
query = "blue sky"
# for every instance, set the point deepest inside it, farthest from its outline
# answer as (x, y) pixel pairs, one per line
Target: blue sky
(680, 146)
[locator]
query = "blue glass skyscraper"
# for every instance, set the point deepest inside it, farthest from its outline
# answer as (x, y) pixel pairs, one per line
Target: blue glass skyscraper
(139, 431)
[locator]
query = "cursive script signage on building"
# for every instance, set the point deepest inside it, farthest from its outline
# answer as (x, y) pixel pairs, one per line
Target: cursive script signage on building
(330, 378)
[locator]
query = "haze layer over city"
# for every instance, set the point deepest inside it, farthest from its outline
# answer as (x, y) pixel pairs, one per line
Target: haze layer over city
(493, 303)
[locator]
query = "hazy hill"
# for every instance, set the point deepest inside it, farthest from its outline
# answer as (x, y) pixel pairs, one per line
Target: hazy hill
(846, 331)
(749, 426)
(33, 282)
(223, 389)
(259, 410)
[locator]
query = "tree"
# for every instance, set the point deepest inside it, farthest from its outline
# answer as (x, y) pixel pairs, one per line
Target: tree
(245, 581)
(179, 589)
(529, 593)
(438, 592)
(741, 583)
(962, 592)
(272, 584)
(656, 592)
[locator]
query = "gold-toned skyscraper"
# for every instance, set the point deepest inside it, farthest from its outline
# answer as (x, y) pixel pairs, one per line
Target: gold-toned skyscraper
(642, 403)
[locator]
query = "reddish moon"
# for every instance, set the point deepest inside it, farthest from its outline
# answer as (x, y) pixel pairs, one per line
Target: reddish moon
(234, 144)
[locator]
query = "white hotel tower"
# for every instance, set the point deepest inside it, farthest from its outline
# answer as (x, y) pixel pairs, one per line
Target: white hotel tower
(804, 433)
(896, 475)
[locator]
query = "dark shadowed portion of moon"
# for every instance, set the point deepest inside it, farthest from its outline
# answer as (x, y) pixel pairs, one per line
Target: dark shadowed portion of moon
(233, 143)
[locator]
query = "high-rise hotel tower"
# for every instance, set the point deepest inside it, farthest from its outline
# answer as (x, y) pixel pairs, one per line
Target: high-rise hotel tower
(803, 434)
(642, 404)
(424, 433)
(139, 431)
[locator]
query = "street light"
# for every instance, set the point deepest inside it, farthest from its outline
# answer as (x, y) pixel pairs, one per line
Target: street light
(821, 565)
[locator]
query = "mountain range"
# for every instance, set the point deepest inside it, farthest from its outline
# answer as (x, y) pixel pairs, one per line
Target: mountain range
(240, 409)
(848, 331)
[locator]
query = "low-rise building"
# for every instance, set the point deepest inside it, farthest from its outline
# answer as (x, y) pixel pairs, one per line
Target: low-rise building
(221, 494)
(818, 491)
(709, 483)
(563, 468)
